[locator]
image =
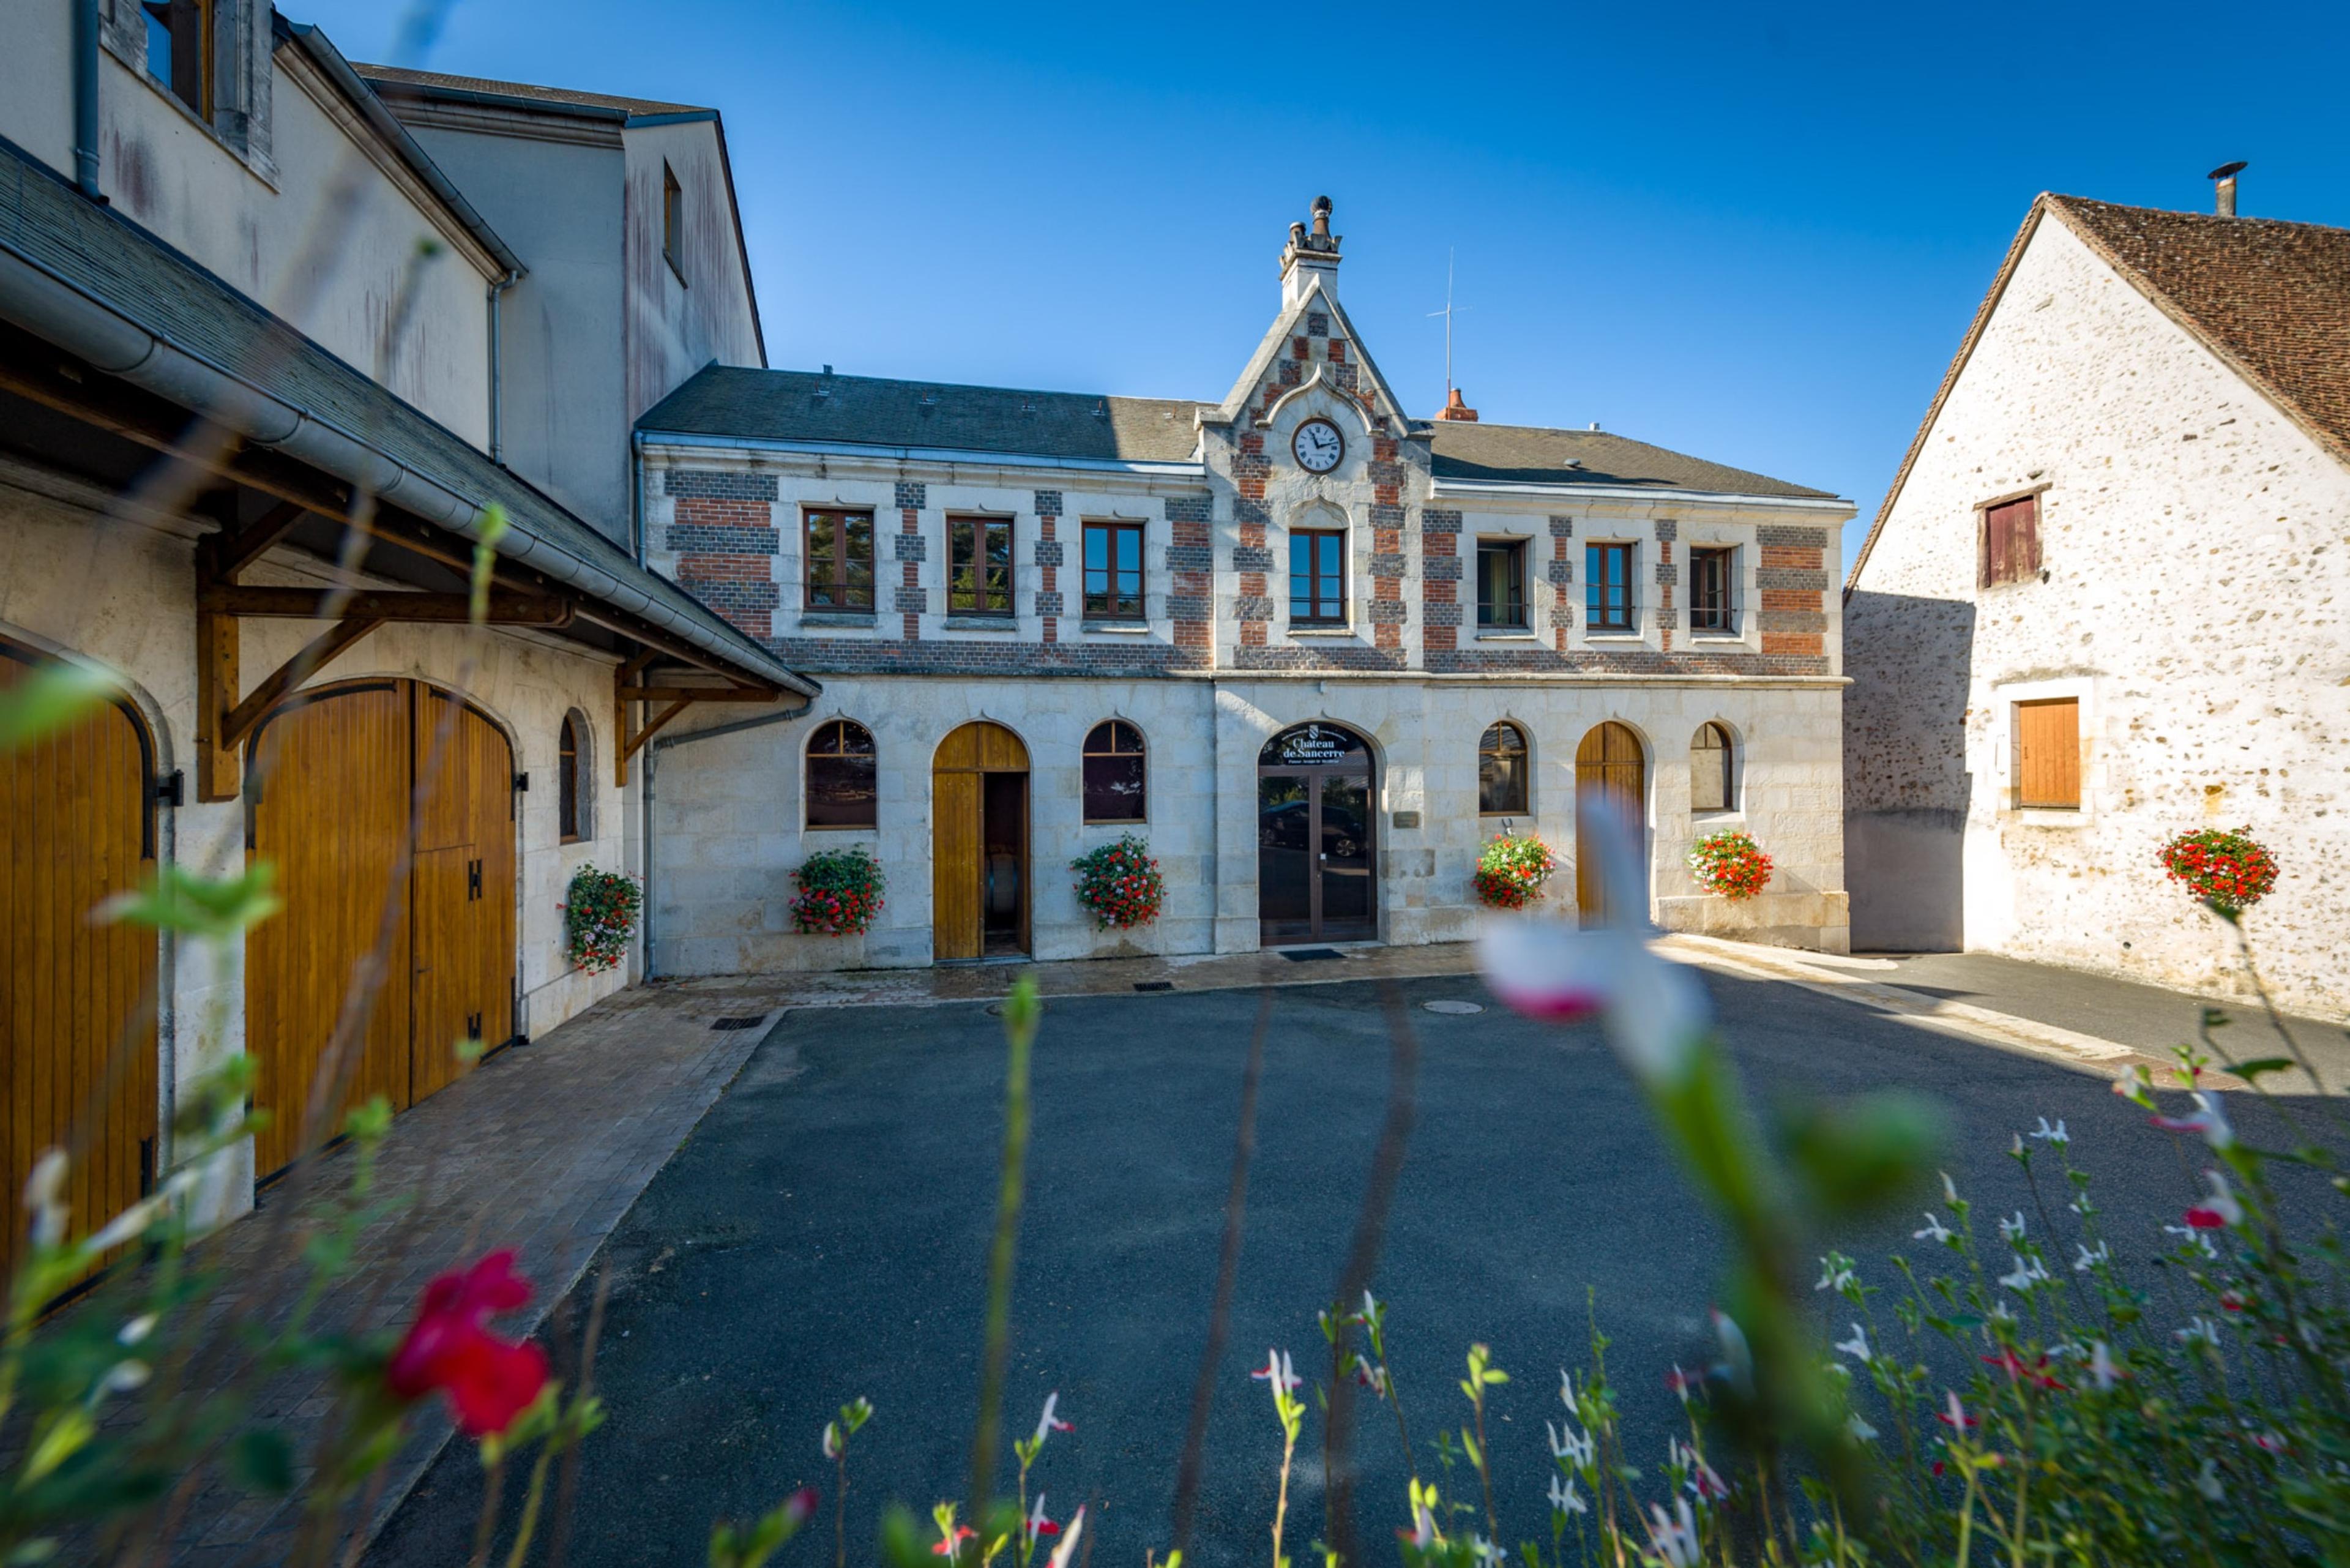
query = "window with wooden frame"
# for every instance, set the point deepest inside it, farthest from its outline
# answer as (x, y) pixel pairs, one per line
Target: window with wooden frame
(180, 51)
(839, 559)
(672, 222)
(1712, 579)
(1501, 583)
(2010, 542)
(1501, 771)
(1113, 571)
(843, 785)
(1607, 587)
(979, 566)
(574, 780)
(1317, 577)
(2048, 754)
(1712, 786)
(1116, 773)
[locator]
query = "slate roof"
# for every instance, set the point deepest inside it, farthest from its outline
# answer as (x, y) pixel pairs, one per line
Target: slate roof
(552, 97)
(871, 411)
(868, 411)
(106, 257)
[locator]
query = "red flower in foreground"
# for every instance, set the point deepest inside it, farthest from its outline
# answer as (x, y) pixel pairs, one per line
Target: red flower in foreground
(946, 1549)
(488, 1381)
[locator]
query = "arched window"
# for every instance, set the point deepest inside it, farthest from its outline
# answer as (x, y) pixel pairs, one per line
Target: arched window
(575, 792)
(842, 790)
(1711, 760)
(1115, 773)
(1501, 771)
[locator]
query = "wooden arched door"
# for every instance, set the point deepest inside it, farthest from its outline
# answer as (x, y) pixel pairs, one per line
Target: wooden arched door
(77, 999)
(979, 895)
(331, 783)
(1608, 773)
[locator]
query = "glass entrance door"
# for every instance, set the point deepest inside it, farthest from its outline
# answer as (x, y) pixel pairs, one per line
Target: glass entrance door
(1315, 877)
(1342, 863)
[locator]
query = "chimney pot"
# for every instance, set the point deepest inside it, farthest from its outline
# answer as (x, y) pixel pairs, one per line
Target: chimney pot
(1455, 409)
(2223, 187)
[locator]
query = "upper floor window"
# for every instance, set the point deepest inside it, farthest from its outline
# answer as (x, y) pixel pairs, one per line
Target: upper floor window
(573, 776)
(979, 566)
(1710, 578)
(1607, 587)
(1501, 582)
(2011, 542)
(839, 559)
(672, 222)
(2048, 754)
(179, 50)
(1113, 571)
(1501, 771)
(842, 787)
(1710, 778)
(1317, 577)
(1113, 773)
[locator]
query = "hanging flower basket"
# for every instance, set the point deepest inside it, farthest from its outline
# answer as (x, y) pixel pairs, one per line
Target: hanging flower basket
(599, 917)
(1729, 863)
(1510, 871)
(839, 893)
(2227, 870)
(1120, 884)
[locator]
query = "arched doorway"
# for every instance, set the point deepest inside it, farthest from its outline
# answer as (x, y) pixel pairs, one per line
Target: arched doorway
(1609, 774)
(331, 780)
(979, 845)
(1315, 877)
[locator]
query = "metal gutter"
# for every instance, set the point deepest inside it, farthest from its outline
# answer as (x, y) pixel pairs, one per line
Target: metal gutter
(923, 454)
(1469, 489)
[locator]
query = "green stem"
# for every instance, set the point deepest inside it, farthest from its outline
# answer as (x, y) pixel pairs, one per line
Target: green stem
(1020, 1015)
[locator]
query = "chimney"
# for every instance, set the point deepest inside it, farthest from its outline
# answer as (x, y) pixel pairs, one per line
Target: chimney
(1454, 409)
(1310, 257)
(2223, 187)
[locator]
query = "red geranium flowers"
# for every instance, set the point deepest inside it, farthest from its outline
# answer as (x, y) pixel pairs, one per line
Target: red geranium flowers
(2229, 871)
(449, 1348)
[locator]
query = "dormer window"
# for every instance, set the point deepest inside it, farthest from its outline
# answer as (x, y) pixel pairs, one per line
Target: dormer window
(179, 51)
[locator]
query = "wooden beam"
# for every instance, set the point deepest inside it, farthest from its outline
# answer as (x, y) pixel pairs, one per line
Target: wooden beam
(218, 775)
(697, 694)
(322, 650)
(631, 744)
(245, 546)
(315, 604)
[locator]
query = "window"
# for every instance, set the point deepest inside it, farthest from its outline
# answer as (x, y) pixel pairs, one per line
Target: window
(2048, 754)
(1501, 582)
(574, 781)
(841, 789)
(179, 50)
(1711, 579)
(672, 222)
(1501, 771)
(979, 566)
(1607, 587)
(1113, 773)
(1317, 577)
(1113, 571)
(2011, 542)
(1709, 762)
(839, 560)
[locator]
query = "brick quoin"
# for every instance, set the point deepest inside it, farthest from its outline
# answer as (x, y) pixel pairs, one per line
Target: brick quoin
(1810, 644)
(1251, 469)
(1187, 539)
(1789, 600)
(1665, 586)
(1800, 557)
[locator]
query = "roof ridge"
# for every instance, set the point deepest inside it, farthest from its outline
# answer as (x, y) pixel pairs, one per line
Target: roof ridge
(957, 386)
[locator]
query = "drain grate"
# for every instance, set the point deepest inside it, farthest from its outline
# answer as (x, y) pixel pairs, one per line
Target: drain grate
(1307, 955)
(1154, 985)
(753, 1021)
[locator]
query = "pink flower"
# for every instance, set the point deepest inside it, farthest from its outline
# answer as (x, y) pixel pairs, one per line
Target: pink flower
(1276, 1371)
(1049, 1422)
(2220, 1211)
(946, 1546)
(487, 1381)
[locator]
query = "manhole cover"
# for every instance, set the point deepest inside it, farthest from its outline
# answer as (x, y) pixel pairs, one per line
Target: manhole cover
(751, 1023)
(1308, 955)
(1451, 1006)
(1154, 985)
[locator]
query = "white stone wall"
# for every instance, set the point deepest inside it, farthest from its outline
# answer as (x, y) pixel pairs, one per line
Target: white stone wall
(121, 596)
(2196, 569)
(728, 829)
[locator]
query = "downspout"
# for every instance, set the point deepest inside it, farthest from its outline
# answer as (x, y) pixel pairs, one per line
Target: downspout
(636, 494)
(645, 799)
(85, 91)
(497, 442)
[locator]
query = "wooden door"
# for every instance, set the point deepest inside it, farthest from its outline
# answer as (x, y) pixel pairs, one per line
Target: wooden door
(462, 897)
(1609, 774)
(959, 840)
(326, 803)
(77, 999)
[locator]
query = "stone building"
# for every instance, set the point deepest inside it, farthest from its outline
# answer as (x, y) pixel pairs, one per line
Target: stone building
(2102, 604)
(1314, 650)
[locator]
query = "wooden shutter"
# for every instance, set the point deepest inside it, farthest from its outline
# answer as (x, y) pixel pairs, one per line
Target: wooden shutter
(2048, 754)
(2011, 541)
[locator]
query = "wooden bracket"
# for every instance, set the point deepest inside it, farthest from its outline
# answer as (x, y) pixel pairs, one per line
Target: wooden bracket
(629, 688)
(314, 658)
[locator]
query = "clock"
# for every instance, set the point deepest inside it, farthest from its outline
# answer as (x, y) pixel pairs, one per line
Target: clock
(1318, 446)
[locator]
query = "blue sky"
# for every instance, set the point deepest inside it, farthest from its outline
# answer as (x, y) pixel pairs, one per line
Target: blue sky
(1755, 233)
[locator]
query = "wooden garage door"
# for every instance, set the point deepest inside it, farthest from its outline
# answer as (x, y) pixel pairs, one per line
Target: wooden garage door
(76, 999)
(421, 953)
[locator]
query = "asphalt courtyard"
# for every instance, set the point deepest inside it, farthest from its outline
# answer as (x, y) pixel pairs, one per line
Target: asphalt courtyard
(821, 1236)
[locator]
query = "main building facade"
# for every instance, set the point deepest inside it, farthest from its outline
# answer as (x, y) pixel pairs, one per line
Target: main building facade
(1315, 650)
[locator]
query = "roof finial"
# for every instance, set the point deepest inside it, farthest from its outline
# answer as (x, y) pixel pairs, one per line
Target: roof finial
(1321, 219)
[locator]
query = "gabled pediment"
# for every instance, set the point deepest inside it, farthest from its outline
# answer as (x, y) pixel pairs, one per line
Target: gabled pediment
(1263, 384)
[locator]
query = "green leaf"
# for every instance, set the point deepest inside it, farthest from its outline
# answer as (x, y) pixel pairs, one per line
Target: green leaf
(58, 1439)
(1866, 1153)
(192, 904)
(494, 525)
(52, 698)
(262, 1460)
(2253, 1069)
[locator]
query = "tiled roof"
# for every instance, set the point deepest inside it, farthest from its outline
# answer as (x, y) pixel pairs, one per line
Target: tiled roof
(1528, 455)
(552, 97)
(869, 410)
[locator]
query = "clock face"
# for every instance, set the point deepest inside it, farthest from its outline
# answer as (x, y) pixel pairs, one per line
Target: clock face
(1318, 446)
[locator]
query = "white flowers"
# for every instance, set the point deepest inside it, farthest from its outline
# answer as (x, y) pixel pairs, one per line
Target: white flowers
(1835, 1274)
(2220, 1211)
(2089, 1260)
(2199, 1328)
(1276, 1371)
(1048, 1423)
(1862, 1432)
(1565, 1499)
(2027, 1273)
(2102, 1372)
(2013, 1229)
(2206, 1120)
(2207, 1481)
(1934, 1228)
(1572, 1446)
(45, 1198)
(1673, 1536)
(1857, 1345)
(2048, 1135)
